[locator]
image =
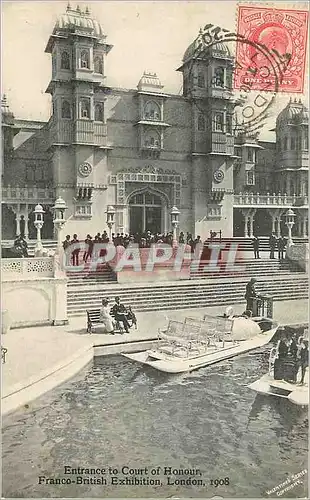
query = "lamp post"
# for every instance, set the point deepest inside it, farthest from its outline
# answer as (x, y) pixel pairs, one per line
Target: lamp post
(174, 222)
(59, 220)
(110, 220)
(38, 223)
(289, 222)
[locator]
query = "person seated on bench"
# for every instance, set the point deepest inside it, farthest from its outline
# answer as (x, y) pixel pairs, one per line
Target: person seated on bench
(105, 317)
(120, 314)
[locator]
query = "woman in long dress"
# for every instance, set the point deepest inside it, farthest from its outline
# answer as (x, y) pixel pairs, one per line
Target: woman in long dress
(106, 318)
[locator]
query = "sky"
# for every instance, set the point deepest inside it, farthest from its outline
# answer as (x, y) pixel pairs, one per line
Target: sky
(146, 35)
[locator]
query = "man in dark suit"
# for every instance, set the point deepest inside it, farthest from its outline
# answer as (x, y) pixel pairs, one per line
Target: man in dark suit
(120, 313)
(255, 243)
(272, 245)
(251, 294)
(281, 247)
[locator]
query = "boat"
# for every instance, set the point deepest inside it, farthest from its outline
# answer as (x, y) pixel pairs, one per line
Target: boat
(194, 343)
(293, 392)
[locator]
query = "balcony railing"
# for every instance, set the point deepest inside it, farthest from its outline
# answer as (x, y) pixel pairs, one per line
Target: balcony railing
(27, 194)
(270, 199)
(36, 267)
(100, 134)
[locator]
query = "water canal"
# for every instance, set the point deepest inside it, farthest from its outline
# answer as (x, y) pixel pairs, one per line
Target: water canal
(118, 415)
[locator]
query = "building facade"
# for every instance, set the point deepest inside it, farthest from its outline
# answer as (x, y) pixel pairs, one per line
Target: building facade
(144, 151)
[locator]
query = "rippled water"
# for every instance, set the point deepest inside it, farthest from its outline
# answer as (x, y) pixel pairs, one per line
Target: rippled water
(116, 413)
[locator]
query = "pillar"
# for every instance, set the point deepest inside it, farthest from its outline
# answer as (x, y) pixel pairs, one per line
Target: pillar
(278, 225)
(304, 227)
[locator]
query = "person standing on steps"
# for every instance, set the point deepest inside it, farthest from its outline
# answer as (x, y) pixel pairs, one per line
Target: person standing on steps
(281, 247)
(251, 294)
(272, 245)
(255, 243)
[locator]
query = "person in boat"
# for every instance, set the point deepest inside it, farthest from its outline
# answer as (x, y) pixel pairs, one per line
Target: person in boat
(303, 357)
(106, 318)
(120, 313)
(251, 294)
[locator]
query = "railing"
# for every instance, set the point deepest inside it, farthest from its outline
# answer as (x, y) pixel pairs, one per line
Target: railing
(100, 134)
(263, 306)
(32, 194)
(25, 268)
(84, 131)
(270, 199)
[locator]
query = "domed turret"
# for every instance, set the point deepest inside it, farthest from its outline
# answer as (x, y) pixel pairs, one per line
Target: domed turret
(195, 49)
(295, 112)
(77, 19)
(149, 81)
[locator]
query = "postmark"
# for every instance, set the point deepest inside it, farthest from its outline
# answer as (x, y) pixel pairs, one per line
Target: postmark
(251, 109)
(282, 32)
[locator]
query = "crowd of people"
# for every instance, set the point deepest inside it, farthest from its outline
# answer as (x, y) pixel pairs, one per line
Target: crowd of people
(292, 356)
(143, 240)
(274, 244)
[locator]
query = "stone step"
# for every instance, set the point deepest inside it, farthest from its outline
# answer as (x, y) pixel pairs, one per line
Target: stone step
(171, 297)
(170, 305)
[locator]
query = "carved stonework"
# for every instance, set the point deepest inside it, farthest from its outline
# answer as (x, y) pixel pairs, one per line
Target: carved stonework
(85, 169)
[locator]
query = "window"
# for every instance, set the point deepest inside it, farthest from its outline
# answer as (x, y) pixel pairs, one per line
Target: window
(98, 65)
(219, 122)
(201, 122)
(54, 108)
(54, 62)
(306, 143)
(201, 80)
(229, 79)
(229, 124)
(30, 174)
(84, 59)
(152, 111)
(99, 115)
(250, 178)
(293, 143)
(299, 143)
(39, 174)
(152, 140)
(85, 108)
(66, 110)
(219, 77)
(285, 143)
(65, 60)
(251, 155)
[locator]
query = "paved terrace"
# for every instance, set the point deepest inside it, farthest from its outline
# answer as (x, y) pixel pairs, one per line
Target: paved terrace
(40, 358)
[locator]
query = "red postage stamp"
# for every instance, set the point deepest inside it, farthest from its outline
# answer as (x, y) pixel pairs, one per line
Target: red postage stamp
(271, 49)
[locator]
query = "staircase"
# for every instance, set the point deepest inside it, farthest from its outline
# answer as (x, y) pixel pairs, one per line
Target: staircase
(245, 244)
(185, 294)
(248, 268)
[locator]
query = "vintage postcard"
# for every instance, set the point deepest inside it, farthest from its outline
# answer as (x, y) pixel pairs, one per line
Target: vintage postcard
(155, 248)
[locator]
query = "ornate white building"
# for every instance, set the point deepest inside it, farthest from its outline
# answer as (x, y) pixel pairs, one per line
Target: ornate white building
(144, 151)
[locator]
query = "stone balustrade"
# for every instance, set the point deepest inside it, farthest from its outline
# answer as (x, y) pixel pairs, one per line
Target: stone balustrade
(254, 199)
(27, 194)
(27, 268)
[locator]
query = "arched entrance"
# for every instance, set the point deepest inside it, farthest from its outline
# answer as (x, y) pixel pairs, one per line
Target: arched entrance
(146, 212)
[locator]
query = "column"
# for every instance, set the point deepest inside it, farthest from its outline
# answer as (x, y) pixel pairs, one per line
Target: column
(17, 220)
(278, 226)
(304, 227)
(251, 216)
(246, 220)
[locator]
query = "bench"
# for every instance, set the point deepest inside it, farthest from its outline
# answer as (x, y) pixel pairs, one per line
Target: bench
(93, 319)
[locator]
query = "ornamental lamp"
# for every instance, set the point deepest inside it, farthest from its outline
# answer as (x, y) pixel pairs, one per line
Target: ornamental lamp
(110, 215)
(289, 222)
(59, 210)
(38, 214)
(174, 216)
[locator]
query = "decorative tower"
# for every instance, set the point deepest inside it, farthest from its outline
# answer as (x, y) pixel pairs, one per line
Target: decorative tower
(207, 83)
(78, 133)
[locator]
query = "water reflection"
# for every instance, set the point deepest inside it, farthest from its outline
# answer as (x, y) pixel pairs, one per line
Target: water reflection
(117, 412)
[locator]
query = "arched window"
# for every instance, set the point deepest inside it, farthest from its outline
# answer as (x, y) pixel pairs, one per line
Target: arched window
(201, 80)
(219, 122)
(98, 65)
(84, 59)
(293, 143)
(152, 140)
(65, 60)
(30, 173)
(218, 77)
(99, 116)
(65, 109)
(85, 108)
(201, 122)
(152, 111)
